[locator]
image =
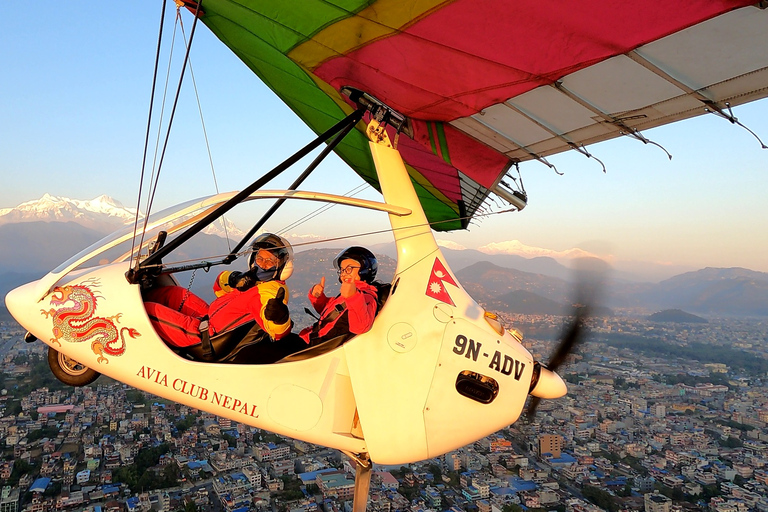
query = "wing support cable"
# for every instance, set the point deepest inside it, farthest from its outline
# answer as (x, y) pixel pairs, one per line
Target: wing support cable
(710, 106)
(320, 210)
(516, 196)
(311, 167)
(153, 187)
(155, 259)
(623, 129)
(541, 124)
(149, 128)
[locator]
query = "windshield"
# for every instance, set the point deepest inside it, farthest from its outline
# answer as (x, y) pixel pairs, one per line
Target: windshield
(164, 218)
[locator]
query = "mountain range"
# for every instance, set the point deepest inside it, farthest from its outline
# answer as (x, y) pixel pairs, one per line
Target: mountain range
(101, 214)
(38, 235)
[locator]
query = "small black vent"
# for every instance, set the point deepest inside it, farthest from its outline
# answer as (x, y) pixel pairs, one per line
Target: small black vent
(477, 387)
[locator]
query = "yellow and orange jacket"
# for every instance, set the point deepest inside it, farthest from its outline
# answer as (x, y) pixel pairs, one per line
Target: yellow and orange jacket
(233, 307)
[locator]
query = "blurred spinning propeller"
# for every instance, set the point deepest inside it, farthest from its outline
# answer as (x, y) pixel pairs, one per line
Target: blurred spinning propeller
(589, 285)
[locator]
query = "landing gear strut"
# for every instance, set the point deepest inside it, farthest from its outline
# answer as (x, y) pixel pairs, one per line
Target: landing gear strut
(362, 480)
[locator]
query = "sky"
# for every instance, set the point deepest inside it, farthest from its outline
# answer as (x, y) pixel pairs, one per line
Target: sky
(75, 91)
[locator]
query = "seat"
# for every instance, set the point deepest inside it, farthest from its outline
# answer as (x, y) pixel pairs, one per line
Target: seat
(226, 346)
(383, 291)
(316, 350)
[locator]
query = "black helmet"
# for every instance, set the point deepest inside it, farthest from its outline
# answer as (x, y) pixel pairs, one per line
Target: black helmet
(366, 259)
(278, 247)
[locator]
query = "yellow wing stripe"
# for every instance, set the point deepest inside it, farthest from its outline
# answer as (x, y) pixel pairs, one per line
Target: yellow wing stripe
(379, 20)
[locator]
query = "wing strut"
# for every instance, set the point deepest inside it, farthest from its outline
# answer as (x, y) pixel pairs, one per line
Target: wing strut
(133, 275)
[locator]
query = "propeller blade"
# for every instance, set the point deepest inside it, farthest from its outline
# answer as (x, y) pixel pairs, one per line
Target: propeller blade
(570, 339)
(588, 289)
(533, 403)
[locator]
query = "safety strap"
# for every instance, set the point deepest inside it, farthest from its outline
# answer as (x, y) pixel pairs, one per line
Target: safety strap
(205, 338)
(338, 309)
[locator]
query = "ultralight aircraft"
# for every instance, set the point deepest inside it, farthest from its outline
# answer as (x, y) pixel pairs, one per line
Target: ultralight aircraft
(434, 104)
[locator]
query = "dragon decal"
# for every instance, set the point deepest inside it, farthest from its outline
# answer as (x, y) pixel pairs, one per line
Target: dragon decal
(74, 307)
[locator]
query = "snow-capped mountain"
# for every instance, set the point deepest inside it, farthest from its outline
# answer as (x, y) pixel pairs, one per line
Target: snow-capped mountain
(218, 229)
(101, 214)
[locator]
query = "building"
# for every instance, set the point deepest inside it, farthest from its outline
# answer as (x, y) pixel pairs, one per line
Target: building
(266, 452)
(9, 502)
(657, 502)
(253, 475)
(551, 443)
(83, 476)
(433, 497)
(282, 467)
(335, 484)
(387, 481)
(453, 461)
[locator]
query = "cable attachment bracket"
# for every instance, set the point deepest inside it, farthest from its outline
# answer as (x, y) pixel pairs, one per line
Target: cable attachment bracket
(514, 195)
(634, 133)
(583, 150)
(382, 115)
(712, 108)
(544, 161)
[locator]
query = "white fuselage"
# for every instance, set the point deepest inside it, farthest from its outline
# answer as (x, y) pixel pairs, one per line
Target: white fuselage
(391, 392)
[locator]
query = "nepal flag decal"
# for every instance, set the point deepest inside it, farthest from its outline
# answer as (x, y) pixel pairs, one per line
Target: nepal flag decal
(436, 286)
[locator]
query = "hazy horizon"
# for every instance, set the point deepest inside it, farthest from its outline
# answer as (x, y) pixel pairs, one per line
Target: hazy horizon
(101, 220)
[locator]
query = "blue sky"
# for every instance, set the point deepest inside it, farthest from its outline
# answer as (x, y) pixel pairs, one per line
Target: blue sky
(75, 90)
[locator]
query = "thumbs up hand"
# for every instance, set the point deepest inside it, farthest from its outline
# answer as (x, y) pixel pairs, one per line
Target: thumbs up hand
(276, 311)
(319, 288)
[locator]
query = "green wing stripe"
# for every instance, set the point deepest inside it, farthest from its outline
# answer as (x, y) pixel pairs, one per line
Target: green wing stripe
(431, 137)
(284, 28)
(443, 143)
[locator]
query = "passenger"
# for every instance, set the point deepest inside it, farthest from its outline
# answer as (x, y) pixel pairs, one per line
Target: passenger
(258, 294)
(354, 309)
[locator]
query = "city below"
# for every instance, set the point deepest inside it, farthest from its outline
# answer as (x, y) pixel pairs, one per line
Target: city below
(660, 416)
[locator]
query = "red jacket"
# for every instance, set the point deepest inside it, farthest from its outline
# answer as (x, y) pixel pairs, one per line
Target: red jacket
(236, 307)
(339, 316)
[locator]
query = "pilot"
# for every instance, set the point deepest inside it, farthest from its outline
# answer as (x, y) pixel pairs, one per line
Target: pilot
(258, 294)
(354, 309)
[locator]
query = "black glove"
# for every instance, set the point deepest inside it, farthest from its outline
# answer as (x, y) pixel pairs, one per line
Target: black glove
(241, 280)
(276, 311)
(233, 278)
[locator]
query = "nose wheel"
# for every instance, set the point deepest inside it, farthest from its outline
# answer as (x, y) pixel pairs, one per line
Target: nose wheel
(69, 371)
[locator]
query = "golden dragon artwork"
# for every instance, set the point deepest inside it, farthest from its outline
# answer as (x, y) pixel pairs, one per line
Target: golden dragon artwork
(74, 321)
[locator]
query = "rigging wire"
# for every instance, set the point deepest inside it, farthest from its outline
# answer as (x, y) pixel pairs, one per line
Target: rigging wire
(205, 132)
(162, 112)
(170, 124)
(146, 139)
(322, 209)
(155, 175)
(343, 237)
